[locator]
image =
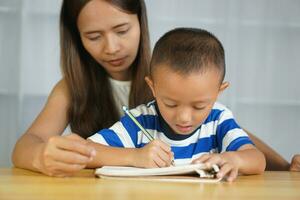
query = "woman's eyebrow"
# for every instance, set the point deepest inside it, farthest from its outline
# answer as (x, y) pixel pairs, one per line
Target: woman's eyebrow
(120, 25)
(99, 31)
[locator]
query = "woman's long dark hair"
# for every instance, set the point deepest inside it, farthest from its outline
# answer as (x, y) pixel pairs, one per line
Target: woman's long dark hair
(91, 105)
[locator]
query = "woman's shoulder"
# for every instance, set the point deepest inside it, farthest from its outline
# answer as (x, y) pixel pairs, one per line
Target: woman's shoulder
(53, 119)
(60, 93)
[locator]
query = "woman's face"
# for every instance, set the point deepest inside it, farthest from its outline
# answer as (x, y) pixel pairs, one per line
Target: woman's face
(111, 36)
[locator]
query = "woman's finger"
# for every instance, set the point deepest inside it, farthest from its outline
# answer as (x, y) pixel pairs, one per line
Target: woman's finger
(76, 137)
(72, 145)
(54, 168)
(70, 157)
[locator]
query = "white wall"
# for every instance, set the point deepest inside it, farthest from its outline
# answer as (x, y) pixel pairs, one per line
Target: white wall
(29, 55)
(261, 40)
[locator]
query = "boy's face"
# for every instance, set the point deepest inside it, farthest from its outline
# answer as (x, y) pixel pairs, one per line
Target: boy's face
(185, 101)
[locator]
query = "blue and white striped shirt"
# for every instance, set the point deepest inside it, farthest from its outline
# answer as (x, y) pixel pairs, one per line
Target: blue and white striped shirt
(218, 133)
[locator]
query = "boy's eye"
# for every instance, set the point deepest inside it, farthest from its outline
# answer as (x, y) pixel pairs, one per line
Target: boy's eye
(170, 105)
(199, 108)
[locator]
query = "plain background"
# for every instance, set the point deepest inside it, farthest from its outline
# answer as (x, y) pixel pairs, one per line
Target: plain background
(262, 46)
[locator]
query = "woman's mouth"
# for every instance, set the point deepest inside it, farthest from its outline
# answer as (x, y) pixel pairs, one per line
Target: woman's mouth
(117, 62)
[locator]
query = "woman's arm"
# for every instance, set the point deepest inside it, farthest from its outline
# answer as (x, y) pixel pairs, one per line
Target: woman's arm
(275, 162)
(42, 149)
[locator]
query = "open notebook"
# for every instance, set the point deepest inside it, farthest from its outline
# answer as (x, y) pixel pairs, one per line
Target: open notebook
(184, 173)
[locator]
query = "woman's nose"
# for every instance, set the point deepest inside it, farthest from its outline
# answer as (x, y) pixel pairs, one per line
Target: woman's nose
(112, 45)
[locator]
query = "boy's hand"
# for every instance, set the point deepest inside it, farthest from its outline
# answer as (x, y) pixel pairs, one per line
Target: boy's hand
(295, 163)
(154, 154)
(227, 166)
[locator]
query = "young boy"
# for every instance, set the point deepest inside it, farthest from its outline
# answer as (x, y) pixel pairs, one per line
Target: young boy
(186, 77)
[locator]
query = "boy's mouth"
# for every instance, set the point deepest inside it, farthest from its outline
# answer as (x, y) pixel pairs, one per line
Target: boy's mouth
(184, 128)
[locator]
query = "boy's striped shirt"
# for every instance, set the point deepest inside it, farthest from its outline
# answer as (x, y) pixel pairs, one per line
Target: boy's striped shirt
(218, 133)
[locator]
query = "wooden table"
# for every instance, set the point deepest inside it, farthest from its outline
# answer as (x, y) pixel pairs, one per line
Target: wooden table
(23, 184)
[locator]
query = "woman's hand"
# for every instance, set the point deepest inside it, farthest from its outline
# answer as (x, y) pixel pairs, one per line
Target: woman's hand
(154, 154)
(64, 155)
(227, 166)
(295, 163)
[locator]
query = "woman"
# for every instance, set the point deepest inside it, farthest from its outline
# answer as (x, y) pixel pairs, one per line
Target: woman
(105, 54)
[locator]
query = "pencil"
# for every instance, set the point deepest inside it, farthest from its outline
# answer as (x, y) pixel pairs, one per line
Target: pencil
(145, 132)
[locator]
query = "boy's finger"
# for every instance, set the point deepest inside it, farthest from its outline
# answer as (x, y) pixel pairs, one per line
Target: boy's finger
(201, 159)
(171, 155)
(164, 146)
(232, 176)
(225, 169)
(214, 160)
(159, 162)
(166, 157)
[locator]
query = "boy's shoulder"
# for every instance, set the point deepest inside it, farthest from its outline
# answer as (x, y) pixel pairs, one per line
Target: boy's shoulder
(144, 109)
(218, 111)
(220, 106)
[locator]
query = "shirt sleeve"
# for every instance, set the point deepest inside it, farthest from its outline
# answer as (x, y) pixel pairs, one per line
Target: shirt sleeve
(230, 136)
(122, 134)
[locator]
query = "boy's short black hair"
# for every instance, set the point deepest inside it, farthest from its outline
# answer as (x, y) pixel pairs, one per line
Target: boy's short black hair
(189, 49)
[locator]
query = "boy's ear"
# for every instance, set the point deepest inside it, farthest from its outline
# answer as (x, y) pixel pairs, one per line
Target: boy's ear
(149, 81)
(223, 86)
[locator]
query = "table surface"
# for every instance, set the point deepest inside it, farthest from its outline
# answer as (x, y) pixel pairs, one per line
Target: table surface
(23, 184)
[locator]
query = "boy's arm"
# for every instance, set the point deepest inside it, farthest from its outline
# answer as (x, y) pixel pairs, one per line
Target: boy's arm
(112, 156)
(123, 145)
(154, 154)
(247, 159)
(237, 152)
(110, 146)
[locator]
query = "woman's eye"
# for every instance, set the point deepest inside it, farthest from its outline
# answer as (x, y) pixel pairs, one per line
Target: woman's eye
(122, 32)
(94, 38)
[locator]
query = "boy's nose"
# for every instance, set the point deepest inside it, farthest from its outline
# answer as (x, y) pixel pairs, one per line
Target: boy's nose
(184, 117)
